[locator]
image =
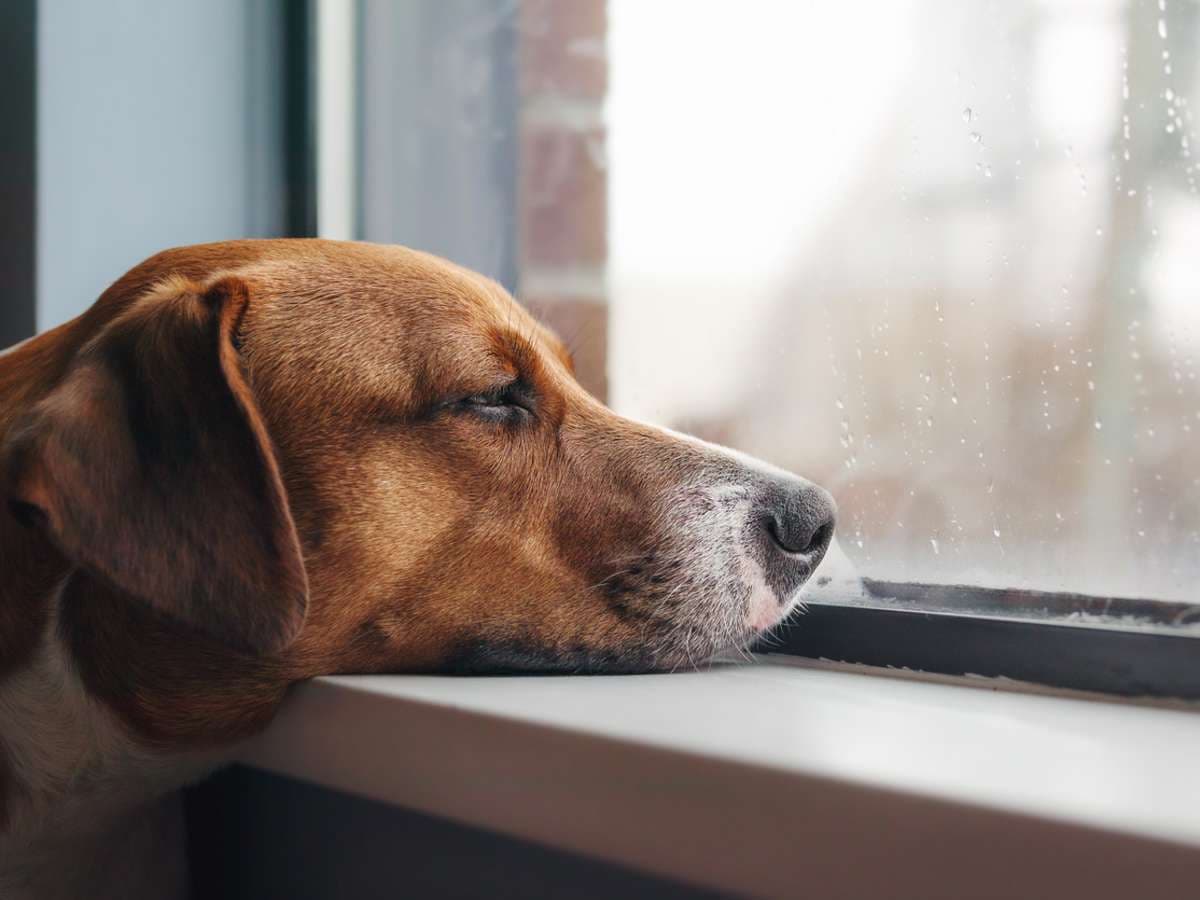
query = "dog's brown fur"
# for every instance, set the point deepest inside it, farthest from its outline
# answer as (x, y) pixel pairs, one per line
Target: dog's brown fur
(255, 462)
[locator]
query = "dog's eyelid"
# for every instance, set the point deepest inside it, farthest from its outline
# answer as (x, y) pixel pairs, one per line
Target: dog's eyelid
(512, 394)
(495, 393)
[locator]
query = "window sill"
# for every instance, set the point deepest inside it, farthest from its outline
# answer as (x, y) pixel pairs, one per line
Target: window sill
(767, 778)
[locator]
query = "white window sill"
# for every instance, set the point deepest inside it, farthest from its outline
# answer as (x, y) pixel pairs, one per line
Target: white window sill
(777, 779)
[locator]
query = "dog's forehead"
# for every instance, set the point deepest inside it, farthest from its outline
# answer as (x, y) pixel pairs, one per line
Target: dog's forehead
(391, 316)
(407, 292)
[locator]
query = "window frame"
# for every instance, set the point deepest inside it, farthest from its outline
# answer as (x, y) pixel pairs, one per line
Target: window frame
(18, 150)
(912, 626)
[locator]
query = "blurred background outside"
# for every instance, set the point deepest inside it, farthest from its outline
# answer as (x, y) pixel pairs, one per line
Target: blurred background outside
(942, 257)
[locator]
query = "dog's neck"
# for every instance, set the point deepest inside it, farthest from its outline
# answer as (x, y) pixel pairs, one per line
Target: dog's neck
(78, 789)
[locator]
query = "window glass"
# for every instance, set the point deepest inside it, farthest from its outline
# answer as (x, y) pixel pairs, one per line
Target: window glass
(942, 257)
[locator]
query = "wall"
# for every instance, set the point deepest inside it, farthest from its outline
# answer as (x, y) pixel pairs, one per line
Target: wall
(159, 124)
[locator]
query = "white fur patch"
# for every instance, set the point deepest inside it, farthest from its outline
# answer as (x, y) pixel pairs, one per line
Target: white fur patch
(75, 773)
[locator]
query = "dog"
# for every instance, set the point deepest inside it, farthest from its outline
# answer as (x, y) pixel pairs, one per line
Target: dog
(255, 462)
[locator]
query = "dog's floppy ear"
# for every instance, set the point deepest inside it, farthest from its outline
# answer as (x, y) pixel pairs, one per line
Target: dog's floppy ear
(150, 467)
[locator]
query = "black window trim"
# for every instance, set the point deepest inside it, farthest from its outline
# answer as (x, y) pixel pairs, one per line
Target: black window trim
(1120, 646)
(18, 171)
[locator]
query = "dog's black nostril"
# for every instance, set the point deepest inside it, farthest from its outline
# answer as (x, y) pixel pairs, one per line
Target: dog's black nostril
(821, 538)
(801, 521)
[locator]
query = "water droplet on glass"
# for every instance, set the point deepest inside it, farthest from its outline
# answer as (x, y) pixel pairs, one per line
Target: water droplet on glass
(967, 114)
(934, 544)
(1099, 232)
(839, 404)
(954, 399)
(929, 421)
(996, 532)
(987, 171)
(1098, 424)
(1170, 95)
(1162, 28)
(976, 137)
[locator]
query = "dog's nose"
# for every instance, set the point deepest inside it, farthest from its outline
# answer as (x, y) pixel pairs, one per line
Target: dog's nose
(799, 519)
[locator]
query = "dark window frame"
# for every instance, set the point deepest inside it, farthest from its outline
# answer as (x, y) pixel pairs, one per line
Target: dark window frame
(1105, 645)
(18, 171)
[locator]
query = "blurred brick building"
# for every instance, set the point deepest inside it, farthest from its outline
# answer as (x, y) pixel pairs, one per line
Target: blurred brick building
(563, 182)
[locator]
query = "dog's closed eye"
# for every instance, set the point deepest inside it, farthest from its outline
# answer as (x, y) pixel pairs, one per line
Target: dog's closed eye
(509, 402)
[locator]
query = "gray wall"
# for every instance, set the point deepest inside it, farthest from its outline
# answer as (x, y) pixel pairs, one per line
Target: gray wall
(160, 122)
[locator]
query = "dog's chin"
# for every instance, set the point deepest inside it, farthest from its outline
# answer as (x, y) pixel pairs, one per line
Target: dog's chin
(520, 657)
(683, 649)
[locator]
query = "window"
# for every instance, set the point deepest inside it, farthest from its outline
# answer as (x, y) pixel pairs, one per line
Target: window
(945, 264)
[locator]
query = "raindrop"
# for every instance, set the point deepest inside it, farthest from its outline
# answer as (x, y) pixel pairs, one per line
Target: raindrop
(976, 137)
(996, 532)
(1162, 28)
(967, 114)
(954, 399)
(929, 421)
(934, 544)
(1098, 424)
(987, 171)
(838, 402)
(1099, 232)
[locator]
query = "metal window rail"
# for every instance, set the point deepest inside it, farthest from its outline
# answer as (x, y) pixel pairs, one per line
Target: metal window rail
(1112, 645)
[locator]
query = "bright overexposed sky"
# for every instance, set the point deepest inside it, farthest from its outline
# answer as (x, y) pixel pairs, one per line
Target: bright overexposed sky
(735, 124)
(733, 129)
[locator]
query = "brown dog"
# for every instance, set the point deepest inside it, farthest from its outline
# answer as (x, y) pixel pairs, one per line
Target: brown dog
(254, 462)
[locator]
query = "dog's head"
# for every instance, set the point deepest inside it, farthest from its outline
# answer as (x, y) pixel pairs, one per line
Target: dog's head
(367, 456)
